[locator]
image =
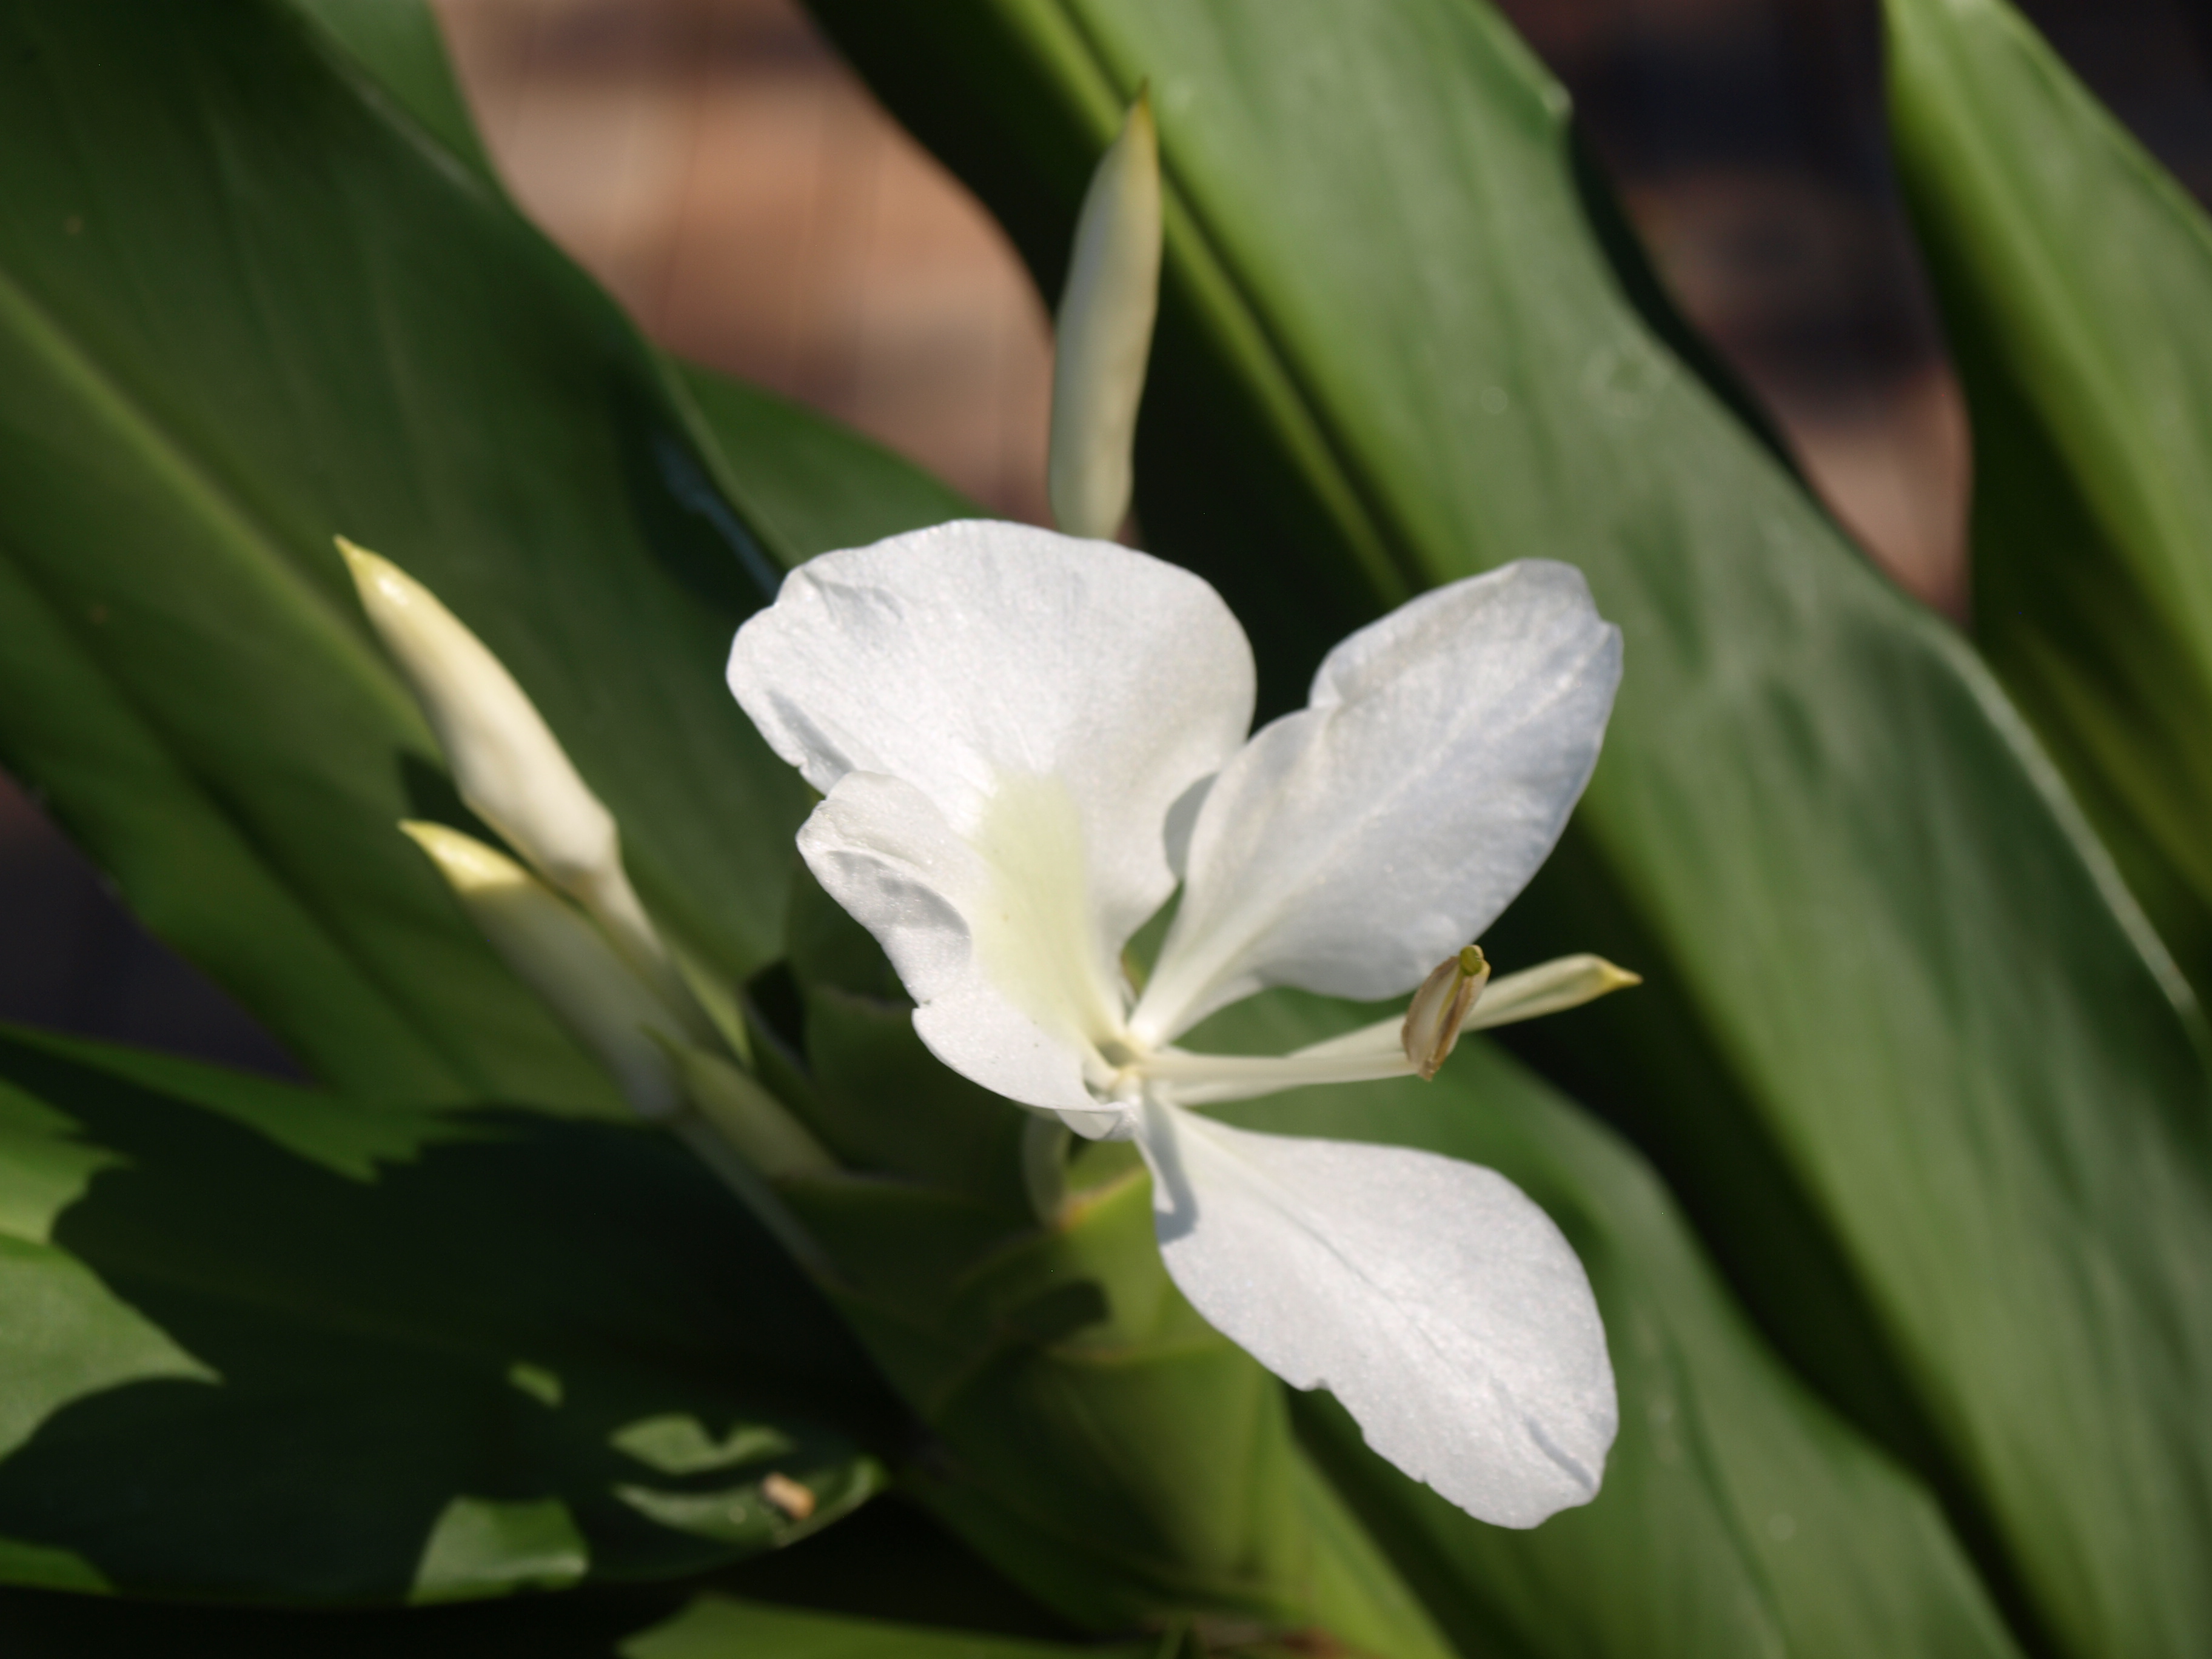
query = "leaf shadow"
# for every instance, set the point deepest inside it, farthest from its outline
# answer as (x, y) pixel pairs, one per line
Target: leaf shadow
(365, 1336)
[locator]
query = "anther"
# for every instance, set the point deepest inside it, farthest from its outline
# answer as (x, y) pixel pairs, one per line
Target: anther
(1440, 1007)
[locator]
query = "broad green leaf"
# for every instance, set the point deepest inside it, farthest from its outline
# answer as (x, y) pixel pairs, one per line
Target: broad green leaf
(261, 1344)
(806, 482)
(722, 1627)
(2074, 277)
(810, 483)
(257, 312)
(1739, 1515)
(1093, 1437)
(1929, 1091)
(886, 1566)
(35, 1625)
(398, 43)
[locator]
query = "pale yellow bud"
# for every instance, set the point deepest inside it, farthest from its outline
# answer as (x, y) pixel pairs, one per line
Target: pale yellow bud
(1103, 332)
(1440, 1008)
(557, 951)
(509, 767)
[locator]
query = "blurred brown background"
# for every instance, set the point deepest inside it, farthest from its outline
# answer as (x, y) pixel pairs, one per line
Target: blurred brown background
(715, 166)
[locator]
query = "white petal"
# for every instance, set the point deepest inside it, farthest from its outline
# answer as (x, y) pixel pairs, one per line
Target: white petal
(974, 657)
(1021, 1023)
(1351, 847)
(1103, 332)
(1440, 1306)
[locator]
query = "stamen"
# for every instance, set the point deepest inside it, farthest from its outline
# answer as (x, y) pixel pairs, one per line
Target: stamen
(1459, 996)
(1439, 1008)
(1197, 1080)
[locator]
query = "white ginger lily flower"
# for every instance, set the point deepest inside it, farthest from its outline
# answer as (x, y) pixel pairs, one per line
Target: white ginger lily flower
(1026, 742)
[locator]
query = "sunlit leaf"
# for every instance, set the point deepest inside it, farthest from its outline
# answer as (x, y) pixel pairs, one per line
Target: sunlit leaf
(2074, 277)
(1918, 1074)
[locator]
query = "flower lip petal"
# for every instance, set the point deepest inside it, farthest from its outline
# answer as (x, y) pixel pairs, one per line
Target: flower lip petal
(959, 657)
(1351, 846)
(1441, 1306)
(880, 848)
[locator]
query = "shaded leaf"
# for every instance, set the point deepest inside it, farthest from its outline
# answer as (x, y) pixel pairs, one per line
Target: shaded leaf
(398, 42)
(36, 1624)
(264, 1345)
(721, 1627)
(887, 1563)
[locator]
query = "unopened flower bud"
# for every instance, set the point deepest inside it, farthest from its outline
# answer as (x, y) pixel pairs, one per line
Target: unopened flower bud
(559, 954)
(1103, 332)
(509, 767)
(1440, 1007)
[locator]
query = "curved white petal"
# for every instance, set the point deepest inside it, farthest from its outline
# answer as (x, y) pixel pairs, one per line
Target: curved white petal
(1003, 671)
(1021, 1023)
(1437, 1303)
(1352, 846)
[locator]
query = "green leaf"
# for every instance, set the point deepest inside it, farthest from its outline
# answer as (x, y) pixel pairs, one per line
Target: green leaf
(1919, 1074)
(398, 43)
(807, 483)
(721, 1627)
(36, 1624)
(811, 483)
(257, 312)
(2075, 276)
(264, 1345)
(1740, 1515)
(885, 1566)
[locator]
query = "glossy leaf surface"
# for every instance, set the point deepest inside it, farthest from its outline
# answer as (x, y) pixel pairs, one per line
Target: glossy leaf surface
(811, 484)
(264, 1345)
(806, 481)
(257, 312)
(1906, 1053)
(2075, 277)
